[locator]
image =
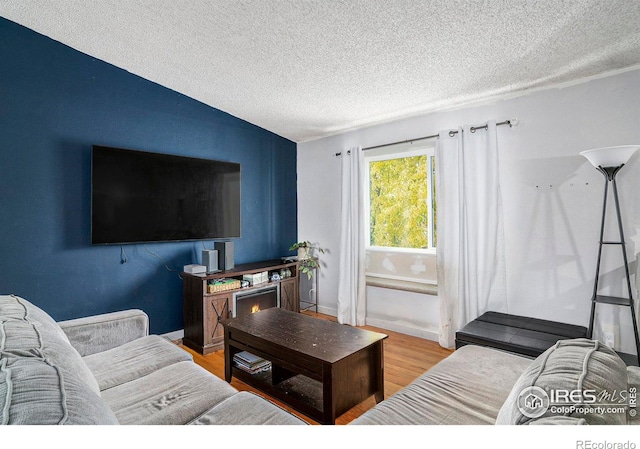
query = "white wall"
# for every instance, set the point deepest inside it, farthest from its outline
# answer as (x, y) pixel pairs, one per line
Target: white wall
(552, 201)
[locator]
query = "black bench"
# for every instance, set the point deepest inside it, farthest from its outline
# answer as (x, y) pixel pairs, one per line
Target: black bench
(519, 334)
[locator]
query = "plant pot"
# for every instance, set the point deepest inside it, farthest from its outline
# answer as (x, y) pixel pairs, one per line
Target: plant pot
(303, 253)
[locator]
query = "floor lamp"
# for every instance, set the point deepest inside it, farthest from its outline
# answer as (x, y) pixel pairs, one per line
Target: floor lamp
(609, 161)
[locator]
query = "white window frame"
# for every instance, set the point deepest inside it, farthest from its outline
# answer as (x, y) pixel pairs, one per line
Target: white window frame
(396, 152)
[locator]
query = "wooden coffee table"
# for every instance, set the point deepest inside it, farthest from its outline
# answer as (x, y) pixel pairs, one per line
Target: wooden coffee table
(320, 368)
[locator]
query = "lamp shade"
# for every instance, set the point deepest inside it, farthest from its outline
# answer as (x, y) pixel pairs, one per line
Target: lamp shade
(610, 156)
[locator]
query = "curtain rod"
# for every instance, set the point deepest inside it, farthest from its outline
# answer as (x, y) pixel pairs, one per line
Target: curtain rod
(511, 122)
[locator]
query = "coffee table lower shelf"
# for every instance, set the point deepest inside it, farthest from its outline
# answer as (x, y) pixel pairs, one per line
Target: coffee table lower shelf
(300, 392)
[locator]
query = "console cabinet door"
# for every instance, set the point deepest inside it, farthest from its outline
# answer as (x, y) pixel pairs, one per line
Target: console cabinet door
(217, 308)
(289, 298)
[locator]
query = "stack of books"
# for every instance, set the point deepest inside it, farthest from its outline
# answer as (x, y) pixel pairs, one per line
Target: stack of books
(251, 363)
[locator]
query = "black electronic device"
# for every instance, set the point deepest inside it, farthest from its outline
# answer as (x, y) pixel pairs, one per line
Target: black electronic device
(138, 196)
(226, 255)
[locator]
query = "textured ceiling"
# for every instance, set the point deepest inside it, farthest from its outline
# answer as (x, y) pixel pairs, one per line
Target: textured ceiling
(305, 69)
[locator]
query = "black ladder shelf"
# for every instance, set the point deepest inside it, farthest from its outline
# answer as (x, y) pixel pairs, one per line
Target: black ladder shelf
(614, 300)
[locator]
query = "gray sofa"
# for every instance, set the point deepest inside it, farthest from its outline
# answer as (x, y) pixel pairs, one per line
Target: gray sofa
(107, 369)
(480, 385)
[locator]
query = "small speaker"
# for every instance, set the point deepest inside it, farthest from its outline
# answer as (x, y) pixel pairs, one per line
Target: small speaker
(210, 260)
(225, 255)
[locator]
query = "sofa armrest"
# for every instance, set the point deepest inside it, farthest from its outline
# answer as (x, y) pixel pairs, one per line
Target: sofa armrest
(99, 333)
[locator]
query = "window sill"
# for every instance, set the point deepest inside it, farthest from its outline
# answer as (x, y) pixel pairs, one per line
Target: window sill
(414, 287)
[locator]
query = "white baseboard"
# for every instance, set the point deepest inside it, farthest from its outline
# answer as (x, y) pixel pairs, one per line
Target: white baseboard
(175, 335)
(396, 326)
(327, 311)
(404, 328)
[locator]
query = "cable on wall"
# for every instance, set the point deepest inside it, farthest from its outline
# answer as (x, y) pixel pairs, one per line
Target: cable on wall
(166, 264)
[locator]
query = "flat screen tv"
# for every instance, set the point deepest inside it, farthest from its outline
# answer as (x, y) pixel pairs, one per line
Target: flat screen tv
(137, 196)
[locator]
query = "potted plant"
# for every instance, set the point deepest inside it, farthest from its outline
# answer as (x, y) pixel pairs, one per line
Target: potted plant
(305, 256)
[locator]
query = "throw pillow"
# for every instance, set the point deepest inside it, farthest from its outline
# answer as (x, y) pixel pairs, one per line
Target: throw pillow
(28, 331)
(579, 378)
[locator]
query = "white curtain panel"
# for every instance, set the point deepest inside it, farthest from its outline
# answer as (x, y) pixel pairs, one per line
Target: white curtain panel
(470, 258)
(351, 282)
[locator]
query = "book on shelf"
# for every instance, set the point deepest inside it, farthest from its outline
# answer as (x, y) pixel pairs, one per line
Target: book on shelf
(251, 363)
(247, 358)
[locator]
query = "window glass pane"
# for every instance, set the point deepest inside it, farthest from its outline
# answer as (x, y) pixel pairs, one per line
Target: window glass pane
(398, 202)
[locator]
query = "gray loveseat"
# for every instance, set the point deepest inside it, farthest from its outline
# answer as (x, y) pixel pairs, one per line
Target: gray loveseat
(107, 369)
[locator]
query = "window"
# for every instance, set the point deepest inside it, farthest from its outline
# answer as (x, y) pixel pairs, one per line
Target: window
(400, 198)
(400, 206)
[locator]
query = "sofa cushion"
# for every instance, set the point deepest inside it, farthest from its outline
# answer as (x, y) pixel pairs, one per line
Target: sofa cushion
(34, 391)
(27, 331)
(247, 408)
(464, 388)
(133, 360)
(563, 372)
(175, 394)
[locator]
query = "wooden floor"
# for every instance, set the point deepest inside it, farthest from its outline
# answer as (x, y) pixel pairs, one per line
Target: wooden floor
(405, 358)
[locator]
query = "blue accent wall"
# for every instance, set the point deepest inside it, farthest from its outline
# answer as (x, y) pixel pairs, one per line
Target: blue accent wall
(55, 103)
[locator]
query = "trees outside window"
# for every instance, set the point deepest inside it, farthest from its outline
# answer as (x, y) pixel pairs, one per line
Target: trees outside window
(401, 199)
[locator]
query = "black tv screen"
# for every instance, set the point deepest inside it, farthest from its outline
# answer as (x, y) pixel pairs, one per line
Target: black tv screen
(137, 196)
